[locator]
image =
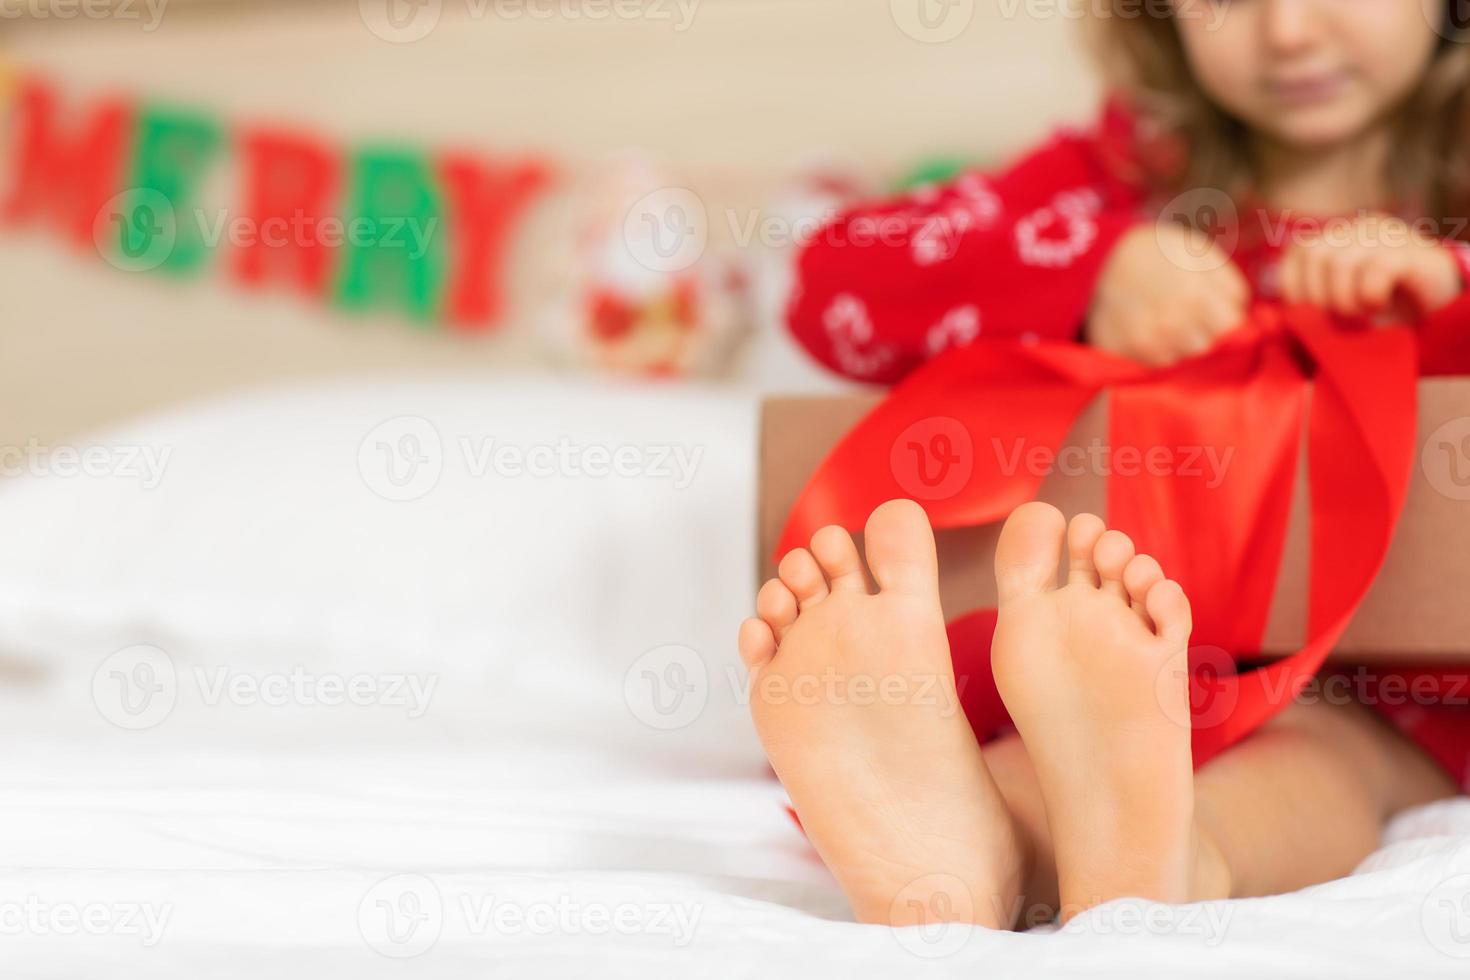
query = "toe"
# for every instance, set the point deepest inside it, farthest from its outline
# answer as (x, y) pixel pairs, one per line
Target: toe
(1141, 575)
(777, 606)
(1082, 537)
(838, 555)
(757, 643)
(1111, 556)
(799, 571)
(900, 546)
(1168, 607)
(1029, 551)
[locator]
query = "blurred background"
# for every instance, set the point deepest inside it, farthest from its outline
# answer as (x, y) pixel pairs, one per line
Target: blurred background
(721, 125)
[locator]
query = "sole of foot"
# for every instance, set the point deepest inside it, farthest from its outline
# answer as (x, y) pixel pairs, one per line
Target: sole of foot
(853, 695)
(1095, 675)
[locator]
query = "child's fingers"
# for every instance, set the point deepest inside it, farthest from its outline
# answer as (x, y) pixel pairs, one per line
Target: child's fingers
(1341, 272)
(1419, 286)
(1233, 284)
(1219, 315)
(1165, 336)
(1376, 284)
(1315, 277)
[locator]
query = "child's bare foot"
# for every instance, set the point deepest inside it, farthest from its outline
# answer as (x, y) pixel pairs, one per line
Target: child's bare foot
(854, 698)
(1094, 676)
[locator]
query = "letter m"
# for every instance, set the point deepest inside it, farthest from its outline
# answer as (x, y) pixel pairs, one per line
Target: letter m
(65, 176)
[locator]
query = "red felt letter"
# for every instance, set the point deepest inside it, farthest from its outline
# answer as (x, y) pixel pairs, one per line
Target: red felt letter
(290, 183)
(69, 180)
(483, 202)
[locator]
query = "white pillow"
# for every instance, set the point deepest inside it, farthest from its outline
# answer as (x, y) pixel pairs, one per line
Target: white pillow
(562, 559)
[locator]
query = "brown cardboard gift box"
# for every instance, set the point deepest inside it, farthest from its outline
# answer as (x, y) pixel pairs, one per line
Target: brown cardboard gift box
(1418, 610)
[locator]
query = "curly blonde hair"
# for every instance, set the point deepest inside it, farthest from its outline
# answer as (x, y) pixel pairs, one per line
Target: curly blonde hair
(1144, 65)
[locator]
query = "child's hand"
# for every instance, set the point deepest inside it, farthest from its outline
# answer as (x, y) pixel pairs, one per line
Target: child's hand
(1379, 266)
(1154, 308)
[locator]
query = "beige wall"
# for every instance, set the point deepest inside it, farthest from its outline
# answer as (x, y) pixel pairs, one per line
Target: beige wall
(732, 102)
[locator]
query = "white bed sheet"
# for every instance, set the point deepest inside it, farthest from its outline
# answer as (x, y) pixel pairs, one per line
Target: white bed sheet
(544, 830)
(209, 860)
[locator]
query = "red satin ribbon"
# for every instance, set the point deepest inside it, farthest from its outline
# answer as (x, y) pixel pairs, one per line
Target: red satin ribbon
(1222, 542)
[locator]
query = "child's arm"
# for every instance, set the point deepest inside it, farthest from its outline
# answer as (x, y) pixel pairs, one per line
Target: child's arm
(884, 287)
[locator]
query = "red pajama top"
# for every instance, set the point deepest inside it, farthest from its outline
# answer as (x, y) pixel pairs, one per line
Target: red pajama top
(1012, 254)
(1017, 254)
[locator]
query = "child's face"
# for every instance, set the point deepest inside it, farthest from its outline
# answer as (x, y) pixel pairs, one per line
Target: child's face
(1310, 73)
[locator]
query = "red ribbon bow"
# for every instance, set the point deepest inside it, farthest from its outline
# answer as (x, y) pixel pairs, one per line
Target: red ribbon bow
(1223, 543)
